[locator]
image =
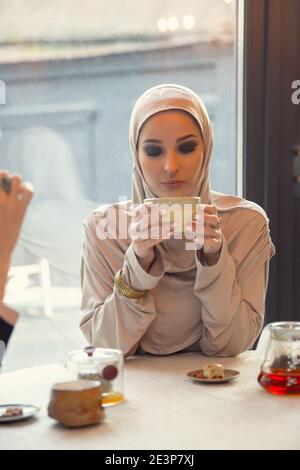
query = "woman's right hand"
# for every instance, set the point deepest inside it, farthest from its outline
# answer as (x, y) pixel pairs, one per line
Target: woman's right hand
(146, 235)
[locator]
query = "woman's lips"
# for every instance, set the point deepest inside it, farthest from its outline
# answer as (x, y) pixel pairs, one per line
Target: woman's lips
(172, 184)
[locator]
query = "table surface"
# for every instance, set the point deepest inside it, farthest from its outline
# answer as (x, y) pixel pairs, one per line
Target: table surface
(164, 409)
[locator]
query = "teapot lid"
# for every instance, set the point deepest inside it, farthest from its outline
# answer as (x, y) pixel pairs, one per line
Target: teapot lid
(92, 355)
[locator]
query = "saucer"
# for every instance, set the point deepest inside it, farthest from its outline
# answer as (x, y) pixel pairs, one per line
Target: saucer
(27, 412)
(198, 375)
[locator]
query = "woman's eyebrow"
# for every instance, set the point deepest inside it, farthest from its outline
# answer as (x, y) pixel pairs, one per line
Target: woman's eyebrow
(185, 137)
(180, 139)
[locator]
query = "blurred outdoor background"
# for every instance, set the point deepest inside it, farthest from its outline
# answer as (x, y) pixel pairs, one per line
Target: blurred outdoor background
(72, 72)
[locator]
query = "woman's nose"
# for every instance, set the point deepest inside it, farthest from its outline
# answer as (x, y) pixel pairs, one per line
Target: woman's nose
(171, 162)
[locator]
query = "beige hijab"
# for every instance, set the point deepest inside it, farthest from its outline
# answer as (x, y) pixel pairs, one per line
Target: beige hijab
(172, 96)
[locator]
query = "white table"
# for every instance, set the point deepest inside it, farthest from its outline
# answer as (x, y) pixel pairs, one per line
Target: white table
(164, 409)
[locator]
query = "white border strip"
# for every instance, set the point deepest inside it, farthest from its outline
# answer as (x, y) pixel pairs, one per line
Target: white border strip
(240, 7)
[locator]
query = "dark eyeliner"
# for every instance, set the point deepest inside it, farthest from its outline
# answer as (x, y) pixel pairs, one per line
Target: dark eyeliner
(187, 147)
(152, 150)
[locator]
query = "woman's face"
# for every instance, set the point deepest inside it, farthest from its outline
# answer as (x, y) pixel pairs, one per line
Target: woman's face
(170, 151)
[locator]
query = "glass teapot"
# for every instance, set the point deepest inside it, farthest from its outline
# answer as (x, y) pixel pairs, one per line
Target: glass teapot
(103, 365)
(280, 370)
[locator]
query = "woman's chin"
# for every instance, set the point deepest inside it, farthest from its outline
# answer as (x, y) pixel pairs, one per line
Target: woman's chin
(172, 194)
(173, 191)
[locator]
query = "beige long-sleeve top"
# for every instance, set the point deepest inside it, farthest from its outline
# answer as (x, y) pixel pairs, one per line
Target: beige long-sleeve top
(218, 309)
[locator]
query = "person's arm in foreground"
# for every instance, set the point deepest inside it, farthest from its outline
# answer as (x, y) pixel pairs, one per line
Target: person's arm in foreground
(14, 199)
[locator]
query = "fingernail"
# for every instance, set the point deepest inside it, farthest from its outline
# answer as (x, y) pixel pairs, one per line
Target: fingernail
(29, 186)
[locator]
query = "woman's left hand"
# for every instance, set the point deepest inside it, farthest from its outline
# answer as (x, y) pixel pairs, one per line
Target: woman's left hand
(13, 204)
(207, 231)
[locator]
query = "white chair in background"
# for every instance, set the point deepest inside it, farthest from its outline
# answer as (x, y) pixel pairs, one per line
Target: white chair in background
(42, 268)
(50, 239)
(2, 351)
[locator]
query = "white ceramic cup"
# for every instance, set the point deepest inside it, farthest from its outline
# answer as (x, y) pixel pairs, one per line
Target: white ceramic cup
(179, 209)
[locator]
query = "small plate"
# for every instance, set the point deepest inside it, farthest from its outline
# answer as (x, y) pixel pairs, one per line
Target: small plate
(27, 412)
(198, 375)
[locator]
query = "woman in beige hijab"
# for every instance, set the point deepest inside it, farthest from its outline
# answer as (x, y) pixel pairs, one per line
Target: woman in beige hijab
(211, 299)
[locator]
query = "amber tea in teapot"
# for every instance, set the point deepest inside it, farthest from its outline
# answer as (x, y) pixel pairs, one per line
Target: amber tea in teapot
(280, 371)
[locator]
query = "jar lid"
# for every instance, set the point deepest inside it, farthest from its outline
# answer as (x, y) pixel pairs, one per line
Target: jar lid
(285, 331)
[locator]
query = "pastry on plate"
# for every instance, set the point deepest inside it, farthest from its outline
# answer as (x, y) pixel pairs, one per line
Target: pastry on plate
(213, 371)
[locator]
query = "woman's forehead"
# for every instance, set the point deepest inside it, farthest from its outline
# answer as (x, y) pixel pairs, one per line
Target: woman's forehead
(172, 121)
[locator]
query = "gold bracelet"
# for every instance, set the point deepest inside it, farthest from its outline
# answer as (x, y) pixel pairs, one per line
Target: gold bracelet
(126, 290)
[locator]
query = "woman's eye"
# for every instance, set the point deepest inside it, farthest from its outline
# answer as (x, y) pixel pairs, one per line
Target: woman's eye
(188, 147)
(153, 151)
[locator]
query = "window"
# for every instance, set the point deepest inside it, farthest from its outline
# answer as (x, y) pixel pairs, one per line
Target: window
(72, 72)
